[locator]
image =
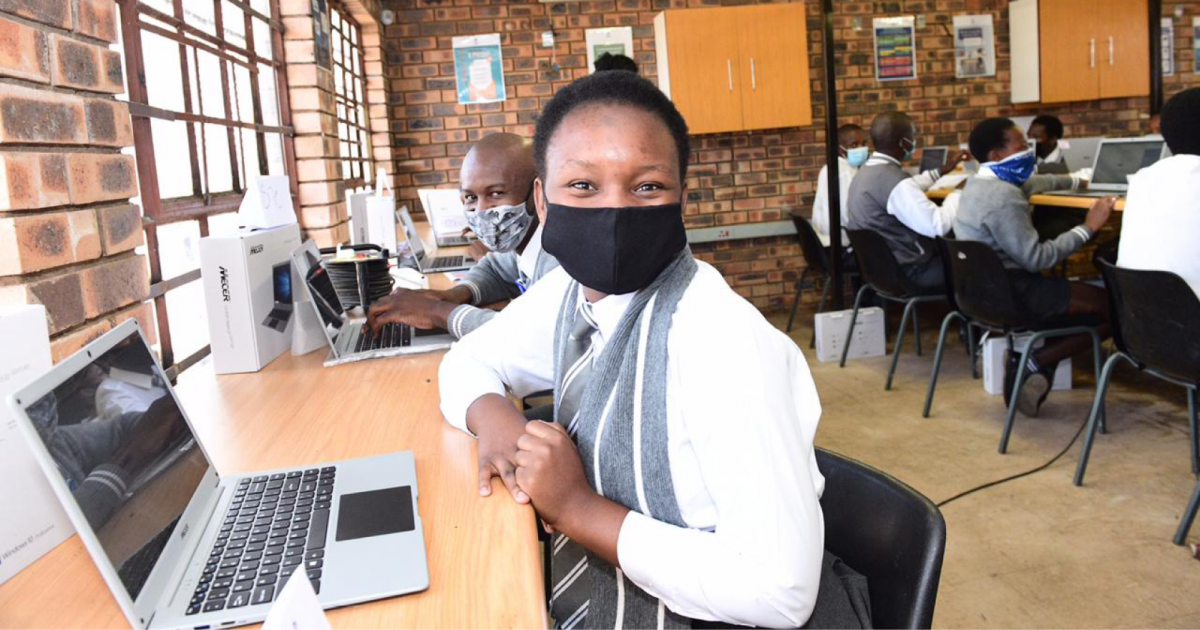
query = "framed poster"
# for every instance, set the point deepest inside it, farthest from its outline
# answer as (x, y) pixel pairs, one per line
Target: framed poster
(1168, 47)
(974, 46)
(895, 48)
(479, 69)
(616, 41)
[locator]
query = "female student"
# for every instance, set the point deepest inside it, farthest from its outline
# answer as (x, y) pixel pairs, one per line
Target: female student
(679, 477)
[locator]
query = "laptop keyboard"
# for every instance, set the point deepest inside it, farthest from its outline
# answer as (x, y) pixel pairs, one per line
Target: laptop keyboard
(443, 262)
(390, 336)
(274, 526)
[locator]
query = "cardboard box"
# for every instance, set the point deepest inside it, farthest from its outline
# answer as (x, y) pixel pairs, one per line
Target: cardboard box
(248, 292)
(33, 521)
(994, 351)
(869, 338)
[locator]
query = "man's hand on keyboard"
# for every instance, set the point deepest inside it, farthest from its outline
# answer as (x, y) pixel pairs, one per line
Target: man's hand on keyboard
(420, 309)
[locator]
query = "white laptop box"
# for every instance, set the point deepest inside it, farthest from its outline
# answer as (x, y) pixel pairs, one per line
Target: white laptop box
(992, 357)
(868, 338)
(356, 203)
(236, 272)
(33, 521)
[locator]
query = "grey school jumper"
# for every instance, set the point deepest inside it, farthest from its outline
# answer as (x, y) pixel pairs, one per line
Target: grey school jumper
(493, 280)
(998, 213)
(868, 210)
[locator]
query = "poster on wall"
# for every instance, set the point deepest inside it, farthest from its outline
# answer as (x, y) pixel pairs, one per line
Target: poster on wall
(974, 46)
(479, 69)
(615, 41)
(321, 33)
(1168, 47)
(895, 48)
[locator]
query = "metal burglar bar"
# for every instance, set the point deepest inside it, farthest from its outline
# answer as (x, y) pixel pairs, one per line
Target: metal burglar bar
(208, 96)
(350, 88)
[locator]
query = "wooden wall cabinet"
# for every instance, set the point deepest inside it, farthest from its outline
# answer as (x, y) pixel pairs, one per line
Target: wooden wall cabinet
(1090, 49)
(736, 68)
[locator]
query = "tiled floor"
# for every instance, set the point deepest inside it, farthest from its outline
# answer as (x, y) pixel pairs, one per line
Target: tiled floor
(1037, 552)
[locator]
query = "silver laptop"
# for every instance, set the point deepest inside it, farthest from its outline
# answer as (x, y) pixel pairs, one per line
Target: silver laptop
(444, 207)
(348, 337)
(425, 264)
(1116, 160)
(933, 158)
(1080, 153)
(182, 545)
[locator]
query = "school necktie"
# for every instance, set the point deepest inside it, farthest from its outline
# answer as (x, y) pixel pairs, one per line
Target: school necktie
(571, 590)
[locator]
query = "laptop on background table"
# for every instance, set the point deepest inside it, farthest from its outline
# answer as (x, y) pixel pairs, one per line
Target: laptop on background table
(933, 158)
(182, 545)
(1116, 160)
(425, 263)
(444, 208)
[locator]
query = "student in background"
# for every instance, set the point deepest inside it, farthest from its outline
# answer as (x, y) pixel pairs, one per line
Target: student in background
(995, 210)
(495, 183)
(699, 518)
(609, 61)
(852, 154)
(888, 200)
(1155, 125)
(1160, 228)
(1046, 131)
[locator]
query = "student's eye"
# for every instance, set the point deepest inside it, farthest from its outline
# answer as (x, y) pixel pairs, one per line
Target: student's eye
(497, 194)
(582, 185)
(469, 199)
(648, 187)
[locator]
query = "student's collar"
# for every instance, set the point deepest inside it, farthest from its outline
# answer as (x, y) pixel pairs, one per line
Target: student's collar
(608, 311)
(986, 172)
(883, 158)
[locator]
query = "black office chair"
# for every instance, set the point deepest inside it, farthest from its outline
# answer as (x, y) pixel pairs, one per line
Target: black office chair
(888, 532)
(955, 314)
(1155, 319)
(816, 258)
(882, 275)
(983, 292)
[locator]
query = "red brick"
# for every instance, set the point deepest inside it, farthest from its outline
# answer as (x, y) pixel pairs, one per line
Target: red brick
(144, 313)
(108, 123)
(120, 228)
(52, 12)
(98, 18)
(85, 66)
(100, 177)
(33, 180)
(38, 116)
(322, 216)
(61, 294)
(64, 346)
(330, 237)
(23, 52)
(113, 284)
(36, 242)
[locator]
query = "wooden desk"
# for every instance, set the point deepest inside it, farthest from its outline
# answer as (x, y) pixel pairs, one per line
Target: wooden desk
(1044, 201)
(484, 563)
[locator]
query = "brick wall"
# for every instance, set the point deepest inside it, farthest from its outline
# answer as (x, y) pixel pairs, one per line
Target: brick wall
(67, 229)
(735, 178)
(323, 213)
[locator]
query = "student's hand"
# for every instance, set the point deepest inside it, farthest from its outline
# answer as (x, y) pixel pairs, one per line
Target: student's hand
(956, 158)
(1099, 213)
(498, 425)
(421, 309)
(550, 472)
(477, 250)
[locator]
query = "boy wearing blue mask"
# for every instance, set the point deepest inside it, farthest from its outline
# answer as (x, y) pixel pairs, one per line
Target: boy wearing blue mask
(852, 154)
(995, 210)
(495, 183)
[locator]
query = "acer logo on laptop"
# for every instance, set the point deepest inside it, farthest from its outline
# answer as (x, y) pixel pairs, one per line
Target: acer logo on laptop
(257, 249)
(225, 296)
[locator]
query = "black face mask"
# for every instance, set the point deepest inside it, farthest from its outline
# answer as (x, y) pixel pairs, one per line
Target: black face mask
(614, 250)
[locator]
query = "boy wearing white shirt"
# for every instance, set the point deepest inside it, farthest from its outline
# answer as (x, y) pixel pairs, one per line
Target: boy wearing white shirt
(1160, 228)
(852, 154)
(671, 501)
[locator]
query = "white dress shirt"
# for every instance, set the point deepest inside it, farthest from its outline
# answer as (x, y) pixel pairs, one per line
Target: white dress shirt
(820, 214)
(527, 261)
(909, 204)
(1056, 156)
(742, 411)
(1160, 228)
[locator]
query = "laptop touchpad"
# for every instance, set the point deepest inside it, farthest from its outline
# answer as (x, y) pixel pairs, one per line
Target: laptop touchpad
(375, 513)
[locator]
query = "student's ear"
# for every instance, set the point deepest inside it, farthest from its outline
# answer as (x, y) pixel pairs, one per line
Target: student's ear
(539, 200)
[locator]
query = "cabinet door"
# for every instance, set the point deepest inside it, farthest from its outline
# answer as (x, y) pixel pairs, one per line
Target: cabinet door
(1070, 52)
(1123, 37)
(774, 66)
(702, 50)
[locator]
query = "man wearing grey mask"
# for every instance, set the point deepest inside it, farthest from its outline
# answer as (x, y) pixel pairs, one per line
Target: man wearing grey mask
(494, 183)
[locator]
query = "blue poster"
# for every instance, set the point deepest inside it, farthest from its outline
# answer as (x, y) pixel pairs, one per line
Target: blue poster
(895, 48)
(479, 69)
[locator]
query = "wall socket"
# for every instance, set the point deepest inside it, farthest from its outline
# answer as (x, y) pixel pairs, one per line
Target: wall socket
(921, 21)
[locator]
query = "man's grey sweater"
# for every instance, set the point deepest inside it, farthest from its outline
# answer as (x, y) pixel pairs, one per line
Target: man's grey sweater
(493, 280)
(998, 213)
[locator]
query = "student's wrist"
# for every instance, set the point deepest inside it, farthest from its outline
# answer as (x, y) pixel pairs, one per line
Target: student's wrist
(576, 512)
(440, 312)
(458, 295)
(492, 414)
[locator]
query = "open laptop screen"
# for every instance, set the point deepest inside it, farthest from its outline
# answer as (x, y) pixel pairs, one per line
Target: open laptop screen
(933, 157)
(1117, 160)
(325, 297)
(120, 441)
(410, 232)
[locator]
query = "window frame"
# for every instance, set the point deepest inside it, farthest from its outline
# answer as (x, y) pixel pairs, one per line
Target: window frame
(345, 100)
(201, 204)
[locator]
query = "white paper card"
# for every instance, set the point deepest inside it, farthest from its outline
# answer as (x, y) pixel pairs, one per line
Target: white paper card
(297, 608)
(33, 521)
(267, 203)
(617, 40)
(381, 217)
(444, 209)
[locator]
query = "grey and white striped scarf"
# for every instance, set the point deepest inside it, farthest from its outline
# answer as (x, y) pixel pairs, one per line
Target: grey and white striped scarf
(621, 434)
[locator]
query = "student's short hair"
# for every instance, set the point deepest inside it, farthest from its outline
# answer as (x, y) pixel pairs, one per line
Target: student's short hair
(1181, 122)
(610, 88)
(988, 136)
(846, 129)
(1052, 125)
(609, 61)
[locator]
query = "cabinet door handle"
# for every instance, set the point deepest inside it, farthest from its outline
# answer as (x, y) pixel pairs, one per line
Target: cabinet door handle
(1111, 51)
(753, 76)
(1092, 53)
(729, 72)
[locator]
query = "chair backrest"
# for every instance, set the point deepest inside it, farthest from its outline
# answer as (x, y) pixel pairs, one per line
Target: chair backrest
(1158, 316)
(878, 265)
(810, 245)
(980, 283)
(888, 532)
